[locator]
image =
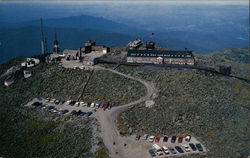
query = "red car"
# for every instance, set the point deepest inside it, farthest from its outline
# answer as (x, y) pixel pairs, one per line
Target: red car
(180, 138)
(106, 105)
(157, 138)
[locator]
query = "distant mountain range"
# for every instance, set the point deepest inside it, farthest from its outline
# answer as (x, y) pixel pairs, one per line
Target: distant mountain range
(24, 38)
(26, 41)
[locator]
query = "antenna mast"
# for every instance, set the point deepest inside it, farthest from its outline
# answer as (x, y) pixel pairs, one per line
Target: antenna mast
(42, 42)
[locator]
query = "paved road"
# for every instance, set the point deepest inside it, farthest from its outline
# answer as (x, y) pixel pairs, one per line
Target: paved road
(109, 131)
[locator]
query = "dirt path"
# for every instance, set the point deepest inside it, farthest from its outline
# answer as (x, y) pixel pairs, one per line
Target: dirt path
(109, 131)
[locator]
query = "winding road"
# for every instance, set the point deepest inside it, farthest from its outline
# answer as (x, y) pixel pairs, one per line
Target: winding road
(109, 131)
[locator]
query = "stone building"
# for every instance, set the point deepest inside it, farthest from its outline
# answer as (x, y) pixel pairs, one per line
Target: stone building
(90, 46)
(182, 57)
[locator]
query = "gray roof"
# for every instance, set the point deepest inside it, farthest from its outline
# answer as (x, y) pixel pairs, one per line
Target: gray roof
(161, 53)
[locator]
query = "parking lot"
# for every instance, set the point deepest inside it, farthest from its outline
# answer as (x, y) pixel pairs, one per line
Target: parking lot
(145, 146)
(68, 107)
(140, 148)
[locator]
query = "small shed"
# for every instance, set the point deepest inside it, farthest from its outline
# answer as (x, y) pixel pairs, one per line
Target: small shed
(8, 82)
(225, 69)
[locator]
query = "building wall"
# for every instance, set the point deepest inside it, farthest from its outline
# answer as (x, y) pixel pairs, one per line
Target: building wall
(153, 60)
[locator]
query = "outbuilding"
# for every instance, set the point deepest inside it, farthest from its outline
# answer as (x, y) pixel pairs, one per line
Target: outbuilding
(8, 82)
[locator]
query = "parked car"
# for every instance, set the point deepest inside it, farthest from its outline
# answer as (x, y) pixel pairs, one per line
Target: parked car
(165, 150)
(179, 149)
(137, 137)
(106, 105)
(83, 113)
(50, 107)
(151, 152)
(64, 111)
(36, 104)
(173, 139)
(165, 138)
(92, 105)
(151, 138)
(193, 147)
(186, 147)
(188, 138)
(84, 104)
(68, 102)
(199, 147)
(180, 138)
(55, 110)
(145, 137)
(97, 105)
(73, 112)
(43, 105)
(72, 103)
(158, 149)
(79, 112)
(89, 113)
(52, 100)
(157, 138)
(77, 104)
(62, 102)
(57, 102)
(81, 103)
(47, 100)
(88, 104)
(172, 150)
(101, 105)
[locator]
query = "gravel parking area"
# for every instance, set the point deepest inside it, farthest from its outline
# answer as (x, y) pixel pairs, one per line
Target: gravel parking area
(59, 108)
(140, 148)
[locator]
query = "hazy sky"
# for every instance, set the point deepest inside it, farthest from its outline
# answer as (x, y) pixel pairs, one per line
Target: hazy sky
(240, 1)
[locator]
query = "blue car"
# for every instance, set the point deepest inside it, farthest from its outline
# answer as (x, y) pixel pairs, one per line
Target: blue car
(151, 152)
(179, 149)
(199, 147)
(192, 146)
(89, 113)
(172, 150)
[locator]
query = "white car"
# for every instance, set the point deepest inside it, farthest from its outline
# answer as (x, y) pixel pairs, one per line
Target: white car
(67, 102)
(77, 104)
(151, 138)
(92, 105)
(55, 111)
(52, 100)
(145, 137)
(188, 138)
(81, 104)
(165, 150)
(186, 147)
(97, 105)
(85, 104)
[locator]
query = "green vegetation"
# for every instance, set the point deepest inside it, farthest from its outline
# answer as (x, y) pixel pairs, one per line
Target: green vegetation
(238, 58)
(108, 86)
(26, 132)
(29, 132)
(121, 124)
(240, 55)
(212, 108)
